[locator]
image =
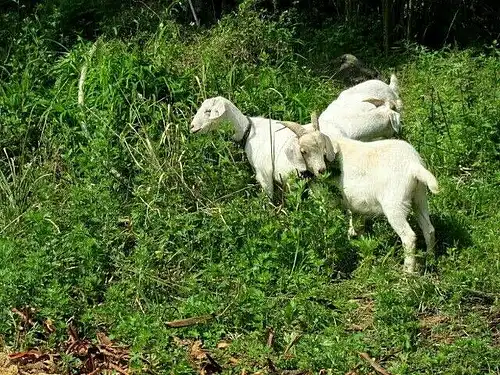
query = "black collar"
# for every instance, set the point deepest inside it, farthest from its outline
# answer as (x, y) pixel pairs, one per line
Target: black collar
(243, 140)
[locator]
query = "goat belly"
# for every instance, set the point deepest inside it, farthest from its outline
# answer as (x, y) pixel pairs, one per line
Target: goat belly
(365, 205)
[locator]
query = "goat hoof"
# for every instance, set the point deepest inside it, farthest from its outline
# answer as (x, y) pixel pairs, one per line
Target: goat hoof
(352, 233)
(409, 267)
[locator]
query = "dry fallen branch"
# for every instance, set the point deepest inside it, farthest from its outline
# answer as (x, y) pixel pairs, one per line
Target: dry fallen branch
(117, 368)
(26, 315)
(374, 364)
(189, 321)
(275, 371)
(103, 357)
(293, 341)
(270, 337)
(29, 361)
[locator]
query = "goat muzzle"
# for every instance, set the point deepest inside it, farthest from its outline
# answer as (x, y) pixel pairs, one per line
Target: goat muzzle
(305, 174)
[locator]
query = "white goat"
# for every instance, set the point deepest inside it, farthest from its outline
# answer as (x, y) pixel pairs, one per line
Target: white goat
(381, 177)
(360, 118)
(274, 155)
(375, 88)
(271, 148)
(365, 112)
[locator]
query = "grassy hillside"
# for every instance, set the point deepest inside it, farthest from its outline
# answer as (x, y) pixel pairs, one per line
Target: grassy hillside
(113, 215)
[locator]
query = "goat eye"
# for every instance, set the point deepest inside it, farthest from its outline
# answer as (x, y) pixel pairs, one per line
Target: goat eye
(303, 152)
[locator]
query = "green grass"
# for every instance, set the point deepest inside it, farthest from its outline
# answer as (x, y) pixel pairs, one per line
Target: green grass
(113, 214)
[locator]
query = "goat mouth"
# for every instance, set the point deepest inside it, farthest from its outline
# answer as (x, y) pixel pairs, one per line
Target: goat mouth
(306, 174)
(195, 130)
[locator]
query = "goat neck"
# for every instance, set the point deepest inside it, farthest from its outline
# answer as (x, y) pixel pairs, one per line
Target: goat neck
(241, 123)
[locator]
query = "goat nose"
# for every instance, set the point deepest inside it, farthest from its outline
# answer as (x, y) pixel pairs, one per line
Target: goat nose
(321, 170)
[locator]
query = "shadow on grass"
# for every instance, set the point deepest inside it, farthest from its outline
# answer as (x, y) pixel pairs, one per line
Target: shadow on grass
(345, 263)
(450, 233)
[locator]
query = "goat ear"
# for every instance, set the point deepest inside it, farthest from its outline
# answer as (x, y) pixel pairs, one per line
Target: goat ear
(292, 153)
(218, 110)
(293, 126)
(314, 120)
(332, 148)
(395, 119)
(376, 102)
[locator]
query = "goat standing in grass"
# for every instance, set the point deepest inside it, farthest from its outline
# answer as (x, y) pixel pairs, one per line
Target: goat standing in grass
(381, 177)
(375, 88)
(367, 111)
(271, 148)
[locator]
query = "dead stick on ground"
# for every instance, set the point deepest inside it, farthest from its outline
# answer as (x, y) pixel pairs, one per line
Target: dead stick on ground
(189, 321)
(293, 341)
(117, 368)
(270, 337)
(374, 364)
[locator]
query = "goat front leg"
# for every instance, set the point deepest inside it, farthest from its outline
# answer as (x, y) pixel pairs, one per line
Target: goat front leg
(351, 231)
(267, 184)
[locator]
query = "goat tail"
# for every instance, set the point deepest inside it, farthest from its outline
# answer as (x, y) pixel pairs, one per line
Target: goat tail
(426, 177)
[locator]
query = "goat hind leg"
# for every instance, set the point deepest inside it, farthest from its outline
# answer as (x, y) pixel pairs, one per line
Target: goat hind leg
(398, 222)
(423, 219)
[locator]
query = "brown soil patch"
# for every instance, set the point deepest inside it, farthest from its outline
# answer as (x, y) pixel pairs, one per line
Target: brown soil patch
(9, 365)
(103, 357)
(494, 324)
(362, 317)
(433, 328)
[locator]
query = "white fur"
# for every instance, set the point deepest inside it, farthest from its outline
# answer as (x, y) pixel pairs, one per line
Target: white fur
(357, 119)
(374, 88)
(352, 117)
(271, 148)
(381, 177)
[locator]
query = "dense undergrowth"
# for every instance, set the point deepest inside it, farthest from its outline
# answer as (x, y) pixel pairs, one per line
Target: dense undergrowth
(113, 215)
